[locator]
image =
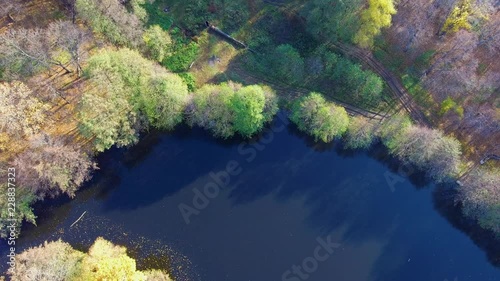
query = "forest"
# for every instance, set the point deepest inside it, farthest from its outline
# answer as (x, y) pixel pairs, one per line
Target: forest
(78, 77)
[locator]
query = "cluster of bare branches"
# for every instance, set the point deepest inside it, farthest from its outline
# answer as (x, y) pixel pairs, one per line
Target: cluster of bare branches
(25, 52)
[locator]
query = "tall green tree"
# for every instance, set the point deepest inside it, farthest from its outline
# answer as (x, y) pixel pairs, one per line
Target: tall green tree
(127, 94)
(323, 120)
(248, 105)
(230, 108)
(286, 64)
(333, 20)
(165, 100)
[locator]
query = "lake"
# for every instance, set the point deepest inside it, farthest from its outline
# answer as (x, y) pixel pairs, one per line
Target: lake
(277, 208)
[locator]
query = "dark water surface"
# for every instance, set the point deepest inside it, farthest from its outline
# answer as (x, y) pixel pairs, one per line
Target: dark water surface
(288, 196)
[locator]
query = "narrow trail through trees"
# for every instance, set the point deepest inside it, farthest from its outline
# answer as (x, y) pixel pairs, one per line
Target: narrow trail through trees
(398, 91)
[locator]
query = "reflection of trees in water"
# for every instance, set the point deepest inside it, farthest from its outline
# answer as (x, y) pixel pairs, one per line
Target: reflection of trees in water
(362, 201)
(444, 202)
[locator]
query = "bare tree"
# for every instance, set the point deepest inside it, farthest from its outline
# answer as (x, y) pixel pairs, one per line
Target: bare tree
(51, 167)
(69, 38)
(24, 52)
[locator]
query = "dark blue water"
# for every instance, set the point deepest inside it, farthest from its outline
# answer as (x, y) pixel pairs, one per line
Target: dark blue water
(289, 203)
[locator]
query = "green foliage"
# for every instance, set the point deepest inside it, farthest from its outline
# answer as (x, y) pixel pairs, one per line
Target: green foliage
(286, 64)
(211, 109)
(377, 16)
(24, 199)
(107, 117)
(126, 87)
(189, 79)
(137, 8)
(392, 129)
(283, 63)
(449, 104)
(248, 104)
(350, 80)
(165, 100)
(191, 15)
(181, 59)
(229, 108)
(112, 20)
(321, 119)
(459, 17)
(156, 15)
(158, 42)
(337, 21)
(360, 133)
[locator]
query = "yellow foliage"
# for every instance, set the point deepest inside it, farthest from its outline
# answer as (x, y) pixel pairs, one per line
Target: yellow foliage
(377, 16)
(458, 18)
(108, 262)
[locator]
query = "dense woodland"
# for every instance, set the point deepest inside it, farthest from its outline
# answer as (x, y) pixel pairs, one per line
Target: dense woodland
(78, 77)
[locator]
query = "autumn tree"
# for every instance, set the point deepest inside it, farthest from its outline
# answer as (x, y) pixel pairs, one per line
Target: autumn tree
(377, 16)
(106, 261)
(22, 113)
(51, 167)
(55, 261)
(68, 40)
(323, 120)
(58, 261)
(459, 17)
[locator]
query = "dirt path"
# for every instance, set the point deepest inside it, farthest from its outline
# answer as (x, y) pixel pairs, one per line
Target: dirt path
(294, 92)
(398, 91)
